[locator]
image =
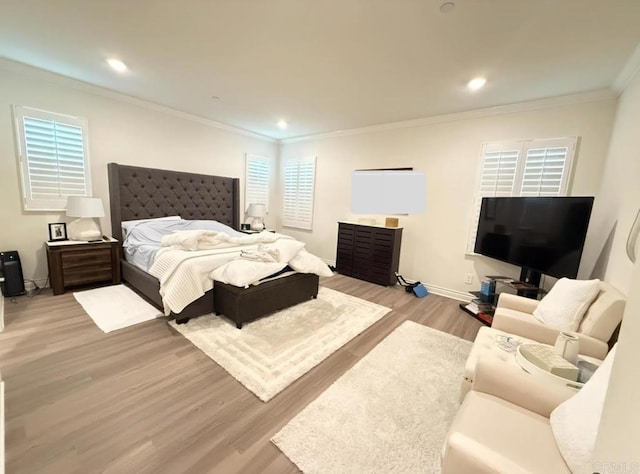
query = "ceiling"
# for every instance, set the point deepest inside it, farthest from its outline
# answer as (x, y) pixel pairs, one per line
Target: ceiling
(330, 64)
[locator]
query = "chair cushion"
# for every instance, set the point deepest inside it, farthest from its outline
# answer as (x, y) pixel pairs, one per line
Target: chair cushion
(484, 346)
(604, 314)
(565, 305)
(516, 435)
(575, 422)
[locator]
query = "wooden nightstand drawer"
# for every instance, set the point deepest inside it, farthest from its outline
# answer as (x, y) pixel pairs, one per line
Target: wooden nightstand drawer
(81, 276)
(83, 263)
(84, 258)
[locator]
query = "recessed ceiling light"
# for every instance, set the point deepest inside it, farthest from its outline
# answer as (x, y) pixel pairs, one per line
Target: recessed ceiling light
(117, 64)
(476, 83)
(282, 124)
(447, 7)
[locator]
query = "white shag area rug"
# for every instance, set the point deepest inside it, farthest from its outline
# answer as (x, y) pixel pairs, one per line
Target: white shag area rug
(270, 353)
(116, 307)
(388, 414)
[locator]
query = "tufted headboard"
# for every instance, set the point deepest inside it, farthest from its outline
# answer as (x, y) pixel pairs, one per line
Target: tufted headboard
(142, 193)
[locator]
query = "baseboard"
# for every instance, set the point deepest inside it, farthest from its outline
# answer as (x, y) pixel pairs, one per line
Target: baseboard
(453, 294)
(41, 282)
(433, 289)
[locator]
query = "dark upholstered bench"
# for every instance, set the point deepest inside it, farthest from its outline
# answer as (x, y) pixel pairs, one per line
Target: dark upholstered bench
(242, 305)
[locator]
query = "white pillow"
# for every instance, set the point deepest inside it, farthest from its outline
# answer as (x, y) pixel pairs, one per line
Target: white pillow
(243, 273)
(305, 262)
(128, 225)
(564, 306)
(287, 248)
(575, 422)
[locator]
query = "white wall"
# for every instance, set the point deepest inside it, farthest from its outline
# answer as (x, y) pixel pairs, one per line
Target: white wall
(433, 245)
(120, 130)
(620, 426)
(620, 192)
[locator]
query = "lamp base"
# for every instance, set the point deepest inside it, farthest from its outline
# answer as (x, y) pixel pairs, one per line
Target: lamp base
(84, 229)
(257, 224)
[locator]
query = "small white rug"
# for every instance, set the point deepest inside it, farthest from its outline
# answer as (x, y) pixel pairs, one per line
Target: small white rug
(116, 307)
(388, 414)
(268, 354)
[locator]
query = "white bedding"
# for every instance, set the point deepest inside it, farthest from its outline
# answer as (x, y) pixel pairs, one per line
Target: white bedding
(142, 237)
(186, 275)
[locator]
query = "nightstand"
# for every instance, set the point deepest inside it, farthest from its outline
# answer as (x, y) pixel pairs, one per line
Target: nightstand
(249, 231)
(74, 263)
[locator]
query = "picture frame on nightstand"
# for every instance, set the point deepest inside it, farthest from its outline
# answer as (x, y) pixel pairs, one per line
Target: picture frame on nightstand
(57, 231)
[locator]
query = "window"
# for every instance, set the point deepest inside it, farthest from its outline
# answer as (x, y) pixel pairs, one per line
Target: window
(53, 154)
(258, 179)
(524, 168)
(299, 183)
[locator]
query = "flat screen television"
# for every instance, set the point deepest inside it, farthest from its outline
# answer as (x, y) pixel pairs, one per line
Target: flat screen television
(540, 234)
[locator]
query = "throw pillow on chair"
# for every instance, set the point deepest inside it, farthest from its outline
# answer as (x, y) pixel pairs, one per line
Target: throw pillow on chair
(565, 305)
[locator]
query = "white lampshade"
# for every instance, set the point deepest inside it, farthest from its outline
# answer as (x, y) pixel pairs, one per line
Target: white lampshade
(81, 206)
(256, 210)
(86, 209)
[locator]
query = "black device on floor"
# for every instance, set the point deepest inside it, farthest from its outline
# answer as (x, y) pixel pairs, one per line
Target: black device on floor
(416, 287)
(11, 270)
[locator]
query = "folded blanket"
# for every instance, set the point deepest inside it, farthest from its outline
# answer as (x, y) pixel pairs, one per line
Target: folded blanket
(260, 254)
(184, 275)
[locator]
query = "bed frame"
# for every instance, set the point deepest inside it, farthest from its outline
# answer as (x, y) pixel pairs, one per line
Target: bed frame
(143, 193)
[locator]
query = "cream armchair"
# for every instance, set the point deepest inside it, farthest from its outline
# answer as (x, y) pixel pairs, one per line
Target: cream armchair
(514, 314)
(503, 425)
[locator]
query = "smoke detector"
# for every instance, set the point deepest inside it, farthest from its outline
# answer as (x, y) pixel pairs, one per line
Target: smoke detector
(447, 7)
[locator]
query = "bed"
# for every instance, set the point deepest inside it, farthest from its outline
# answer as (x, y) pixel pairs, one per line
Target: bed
(145, 193)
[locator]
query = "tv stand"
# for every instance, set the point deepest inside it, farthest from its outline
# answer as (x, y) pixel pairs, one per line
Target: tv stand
(482, 306)
(530, 277)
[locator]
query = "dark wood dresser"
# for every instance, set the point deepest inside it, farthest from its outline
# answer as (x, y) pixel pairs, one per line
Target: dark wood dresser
(74, 263)
(370, 253)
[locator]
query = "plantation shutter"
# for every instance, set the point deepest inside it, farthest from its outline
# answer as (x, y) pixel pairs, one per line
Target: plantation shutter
(258, 178)
(53, 159)
(299, 183)
(546, 167)
(497, 177)
(525, 168)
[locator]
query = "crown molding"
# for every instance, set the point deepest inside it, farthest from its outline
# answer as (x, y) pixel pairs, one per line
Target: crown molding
(630, 70)
(54, 78)
(624, 79)
(592, 96)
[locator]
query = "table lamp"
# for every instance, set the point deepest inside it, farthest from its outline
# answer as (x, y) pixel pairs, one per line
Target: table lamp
(257, 212)
(86, 209)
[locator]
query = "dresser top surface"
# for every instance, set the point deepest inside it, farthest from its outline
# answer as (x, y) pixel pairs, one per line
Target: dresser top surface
(64, 243)
(369, 225)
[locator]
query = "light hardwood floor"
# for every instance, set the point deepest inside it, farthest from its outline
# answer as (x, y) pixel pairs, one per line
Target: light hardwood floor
(144, 399)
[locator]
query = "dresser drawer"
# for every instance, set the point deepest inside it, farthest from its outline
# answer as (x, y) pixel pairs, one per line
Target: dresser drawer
(82, 276)
(94, 258)
(370, 253)
(77, 264)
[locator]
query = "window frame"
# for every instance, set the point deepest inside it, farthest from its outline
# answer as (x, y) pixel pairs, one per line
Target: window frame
(249, 157)
(296, 223)
(523, 147)
(54, 204)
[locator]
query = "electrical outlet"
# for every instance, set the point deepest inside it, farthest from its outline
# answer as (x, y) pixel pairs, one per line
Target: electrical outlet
(468, 278)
